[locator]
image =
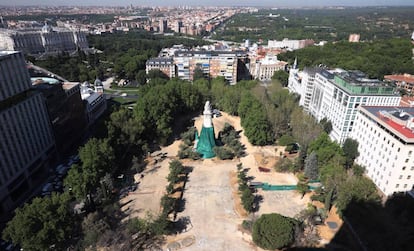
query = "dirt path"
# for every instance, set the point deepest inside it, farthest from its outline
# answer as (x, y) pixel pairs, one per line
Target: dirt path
(210, 193)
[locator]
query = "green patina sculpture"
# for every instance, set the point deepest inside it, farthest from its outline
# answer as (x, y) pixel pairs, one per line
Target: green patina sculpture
(205, 142)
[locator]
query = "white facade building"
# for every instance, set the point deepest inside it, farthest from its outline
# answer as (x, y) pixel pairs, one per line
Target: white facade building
(337, 95)
(44, 41)
(26, 137)
(263, 69)
(302, 82)
(289, 44)
(95, 102)
(386, 145)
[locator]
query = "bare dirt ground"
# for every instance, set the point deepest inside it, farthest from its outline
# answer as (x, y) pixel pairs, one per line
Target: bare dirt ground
(146, 199)
(211, 199)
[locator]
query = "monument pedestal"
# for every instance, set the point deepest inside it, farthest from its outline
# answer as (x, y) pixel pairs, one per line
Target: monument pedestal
(206, 141)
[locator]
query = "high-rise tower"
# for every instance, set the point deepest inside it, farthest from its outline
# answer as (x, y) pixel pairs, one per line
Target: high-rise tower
(26, 138)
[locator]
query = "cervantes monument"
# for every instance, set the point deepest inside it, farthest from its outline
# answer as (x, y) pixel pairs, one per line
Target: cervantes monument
(205, 142)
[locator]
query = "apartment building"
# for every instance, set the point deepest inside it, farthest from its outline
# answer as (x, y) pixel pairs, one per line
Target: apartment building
(338, 93)
(164, 64)
(212, 63)
(27, 145)
(386, 145)
(404, 82)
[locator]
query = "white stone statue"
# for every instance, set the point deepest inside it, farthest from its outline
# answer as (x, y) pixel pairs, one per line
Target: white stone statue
(207, 122)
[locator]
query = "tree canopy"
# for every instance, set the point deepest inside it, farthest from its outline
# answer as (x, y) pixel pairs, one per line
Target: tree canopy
(273, 231)
(97, 158)
(43, 222)
(378, 58)
(350, 149)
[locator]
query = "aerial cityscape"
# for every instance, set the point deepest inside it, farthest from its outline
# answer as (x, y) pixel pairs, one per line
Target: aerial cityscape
(232, 125)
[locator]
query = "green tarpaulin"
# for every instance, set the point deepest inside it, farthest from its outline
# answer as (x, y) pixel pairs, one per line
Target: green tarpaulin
(206, 142)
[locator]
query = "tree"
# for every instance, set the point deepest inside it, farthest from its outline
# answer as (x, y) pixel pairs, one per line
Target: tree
(326, 125)
(274, 231)
(305, 129)
(141, 77)
(93, 227)
(198, 73)
(285, 140)
(247, 199)
(42, 223)
(326, 150)
(350, 149)
(155, 73)
(176, 168)
(97, 159)
(223, 152)
(283, 165)
(254, 120)
(358, 189)
(282, 76)
(311, 166)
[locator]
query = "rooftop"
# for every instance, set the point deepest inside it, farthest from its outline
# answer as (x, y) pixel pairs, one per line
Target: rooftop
(407, 78)
(160, 60)
(209, 53)
(397, 120)
(312, 70)
(356, 83)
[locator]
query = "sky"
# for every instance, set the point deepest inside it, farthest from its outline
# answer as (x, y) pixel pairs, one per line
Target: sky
(273, 3)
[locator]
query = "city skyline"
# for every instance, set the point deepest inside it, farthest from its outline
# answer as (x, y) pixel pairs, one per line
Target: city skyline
(269, 3)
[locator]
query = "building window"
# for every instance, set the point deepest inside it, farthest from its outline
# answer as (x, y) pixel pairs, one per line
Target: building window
(408, 177)
(405, 185)
(406, 160)
(400, 177)
(403, 168)
(396, 186)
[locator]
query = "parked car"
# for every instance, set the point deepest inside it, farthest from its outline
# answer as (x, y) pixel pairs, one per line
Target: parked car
(47, 189)
(216, 113)
(58, 186)
(75, 158)
(62, 170)
(6, 246)
(71, 162)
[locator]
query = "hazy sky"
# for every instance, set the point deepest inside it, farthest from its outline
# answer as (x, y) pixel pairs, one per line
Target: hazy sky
(212, 2)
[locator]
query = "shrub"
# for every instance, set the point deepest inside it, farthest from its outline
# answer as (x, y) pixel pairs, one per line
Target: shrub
(274, 231)
(248, 225)
(284, 165)
(286, 140)
(247, 199)
(223, 152)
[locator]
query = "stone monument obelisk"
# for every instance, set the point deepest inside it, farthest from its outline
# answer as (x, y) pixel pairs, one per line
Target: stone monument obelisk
(206, 141)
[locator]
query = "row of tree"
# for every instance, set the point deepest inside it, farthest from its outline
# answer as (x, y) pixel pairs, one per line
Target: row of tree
(378, 58)
(317, 24)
